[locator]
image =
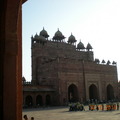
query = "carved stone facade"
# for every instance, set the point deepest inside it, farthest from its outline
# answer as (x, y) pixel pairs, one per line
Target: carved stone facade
(62, 72)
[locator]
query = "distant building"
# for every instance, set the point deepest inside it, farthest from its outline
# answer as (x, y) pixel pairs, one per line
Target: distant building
(65, 72)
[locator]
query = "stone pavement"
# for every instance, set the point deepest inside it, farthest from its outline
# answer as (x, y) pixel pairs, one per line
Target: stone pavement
(62, 113)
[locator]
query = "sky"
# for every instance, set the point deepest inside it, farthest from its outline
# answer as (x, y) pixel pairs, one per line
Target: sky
(92, 21)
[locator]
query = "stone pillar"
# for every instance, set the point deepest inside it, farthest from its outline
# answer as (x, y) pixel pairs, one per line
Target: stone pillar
(44, 99)
(11, 60)
(99, 90)
(23, 99)
(2, 45)
(34, 99)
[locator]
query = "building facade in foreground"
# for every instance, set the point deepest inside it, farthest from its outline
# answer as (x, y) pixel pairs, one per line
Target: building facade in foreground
(65, 72)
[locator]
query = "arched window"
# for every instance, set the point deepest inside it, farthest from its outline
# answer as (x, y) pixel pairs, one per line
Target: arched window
(29, 101)
(39, 100)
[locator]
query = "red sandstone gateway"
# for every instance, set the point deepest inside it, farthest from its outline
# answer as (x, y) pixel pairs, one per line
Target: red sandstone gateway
(65, 72)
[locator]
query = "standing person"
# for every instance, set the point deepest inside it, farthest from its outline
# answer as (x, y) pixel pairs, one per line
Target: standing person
(102, 107)
(117, 106)
(89, 107)
(97, 108)
(83, 107)
(70, 107)
(32, 118)
(25, 117)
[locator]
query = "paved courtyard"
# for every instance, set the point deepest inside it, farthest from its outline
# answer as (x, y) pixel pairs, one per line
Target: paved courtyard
(62, 113)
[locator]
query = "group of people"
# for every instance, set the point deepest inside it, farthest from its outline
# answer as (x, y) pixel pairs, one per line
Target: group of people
(112, 107)
(76, 107)
(80, 107)
(108, 107)
(26, 118)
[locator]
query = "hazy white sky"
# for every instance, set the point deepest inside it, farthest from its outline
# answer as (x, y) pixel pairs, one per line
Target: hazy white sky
(93, 21)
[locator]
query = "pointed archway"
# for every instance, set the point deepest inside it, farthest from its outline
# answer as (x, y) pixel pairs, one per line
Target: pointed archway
(29, 101)
(73, 93)
(93, 92)
(110, 92)
(39, 100)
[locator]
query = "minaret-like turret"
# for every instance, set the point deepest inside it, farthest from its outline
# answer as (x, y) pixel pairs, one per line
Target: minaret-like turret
(80, 46)
(89, 47)
(58, 36)
(71, 39)
(44, 33)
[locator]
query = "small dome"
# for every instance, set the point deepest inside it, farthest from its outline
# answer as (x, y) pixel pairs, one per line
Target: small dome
(36, 36)
(113, 62)
(89, 47)
(103, 61)
(97, 60)
(71, 39)
(80, 45)
(44, 33)
(39, 38)
(58, 36)
(108, 62)
(23, 79)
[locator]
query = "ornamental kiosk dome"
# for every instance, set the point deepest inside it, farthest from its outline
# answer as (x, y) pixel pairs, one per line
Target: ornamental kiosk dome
(80, 45)
(89, 47)
(58, 33)
(39, 39)
(36, 36)
(97, 61)
(71, 39)
(103, 61)
(44, 33)
(114, 63)
(58, 36)
(108, 62)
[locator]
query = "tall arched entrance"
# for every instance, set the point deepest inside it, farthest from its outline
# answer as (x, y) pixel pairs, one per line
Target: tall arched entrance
(110, 92)
(29, 101)
(48, 100)
(73, 93)
(93, 92)
(39, 100)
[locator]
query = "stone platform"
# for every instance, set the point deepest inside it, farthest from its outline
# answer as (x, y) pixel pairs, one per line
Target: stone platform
(62, 113)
